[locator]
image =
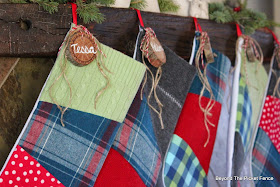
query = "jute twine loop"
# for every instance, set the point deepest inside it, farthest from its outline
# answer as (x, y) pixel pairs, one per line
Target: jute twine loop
(249, 41)
(144, 47)
(206, 85)
(63, 66)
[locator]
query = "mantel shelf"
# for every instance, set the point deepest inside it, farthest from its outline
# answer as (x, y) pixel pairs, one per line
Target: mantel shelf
(119, 31)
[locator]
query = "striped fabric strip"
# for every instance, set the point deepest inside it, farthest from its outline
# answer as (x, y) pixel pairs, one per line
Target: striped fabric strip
(136, 142)
(74, 154)
(182, 168)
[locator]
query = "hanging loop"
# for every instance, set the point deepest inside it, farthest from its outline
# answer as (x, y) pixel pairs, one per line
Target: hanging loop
(197, 25)
(139, 17)
(238, 30)
(274, 36)
(74, 13)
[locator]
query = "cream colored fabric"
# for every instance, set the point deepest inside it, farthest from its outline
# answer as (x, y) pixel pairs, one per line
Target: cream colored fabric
(121, 4)
(194, 8)
(199, 9)
(152, 6)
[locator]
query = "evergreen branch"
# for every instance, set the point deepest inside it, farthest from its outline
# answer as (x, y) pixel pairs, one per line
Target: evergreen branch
(49, 6)
(102, 2)
(18, 1)
(249, 19)
(89, 12)
(167, 6)
(138, 4)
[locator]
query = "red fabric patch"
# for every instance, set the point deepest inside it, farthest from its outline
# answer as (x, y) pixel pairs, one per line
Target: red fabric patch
(270, 120)
(23, 170)
(191, 128)
(116, 171)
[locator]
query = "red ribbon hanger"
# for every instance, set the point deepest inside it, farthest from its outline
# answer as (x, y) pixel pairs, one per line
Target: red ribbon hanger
(74, 13)
(139, 17)
(238, 30)
(197, 25)
(274, 36)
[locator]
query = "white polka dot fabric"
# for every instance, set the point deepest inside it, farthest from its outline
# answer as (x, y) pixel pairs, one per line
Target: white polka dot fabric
(270, 120)
(23, 170)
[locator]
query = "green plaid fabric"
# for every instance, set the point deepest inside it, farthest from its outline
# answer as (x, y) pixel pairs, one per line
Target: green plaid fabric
(244, 114)
(182, 168)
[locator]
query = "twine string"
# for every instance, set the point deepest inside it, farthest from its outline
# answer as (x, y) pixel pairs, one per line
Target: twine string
(63, 65)
(144, 47)
(251, 42)
(199, 60)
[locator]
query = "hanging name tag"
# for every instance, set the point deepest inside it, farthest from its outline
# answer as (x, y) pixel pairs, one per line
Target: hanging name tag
(208, 52)
(250, 53)
(156, 55)
(81, 49)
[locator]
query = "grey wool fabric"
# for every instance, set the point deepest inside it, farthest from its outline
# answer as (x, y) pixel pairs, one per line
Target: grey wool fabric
(177, 76)
(273, 79)
(173, 87)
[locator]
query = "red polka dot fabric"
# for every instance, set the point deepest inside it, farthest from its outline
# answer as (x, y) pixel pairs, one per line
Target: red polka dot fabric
(23, 170)
(270, 120)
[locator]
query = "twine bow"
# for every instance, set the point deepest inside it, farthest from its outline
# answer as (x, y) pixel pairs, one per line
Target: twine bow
(63, 66)
(144, 47)
(204, 38)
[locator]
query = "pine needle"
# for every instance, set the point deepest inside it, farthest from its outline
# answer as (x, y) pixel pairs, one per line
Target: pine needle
(138, 4)
(167, 6)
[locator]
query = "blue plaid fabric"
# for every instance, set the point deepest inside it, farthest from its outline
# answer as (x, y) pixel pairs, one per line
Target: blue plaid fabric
(217, 75)
(182, 168)
(265, 161)
(244, 115)
(74, 154)
(136, 142)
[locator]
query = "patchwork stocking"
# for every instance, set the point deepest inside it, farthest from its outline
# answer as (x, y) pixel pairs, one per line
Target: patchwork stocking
(266, 151)
(74, 154)
(270, 118)
(137, 132)
(187, 161)
(173, 87)
(252, 89)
